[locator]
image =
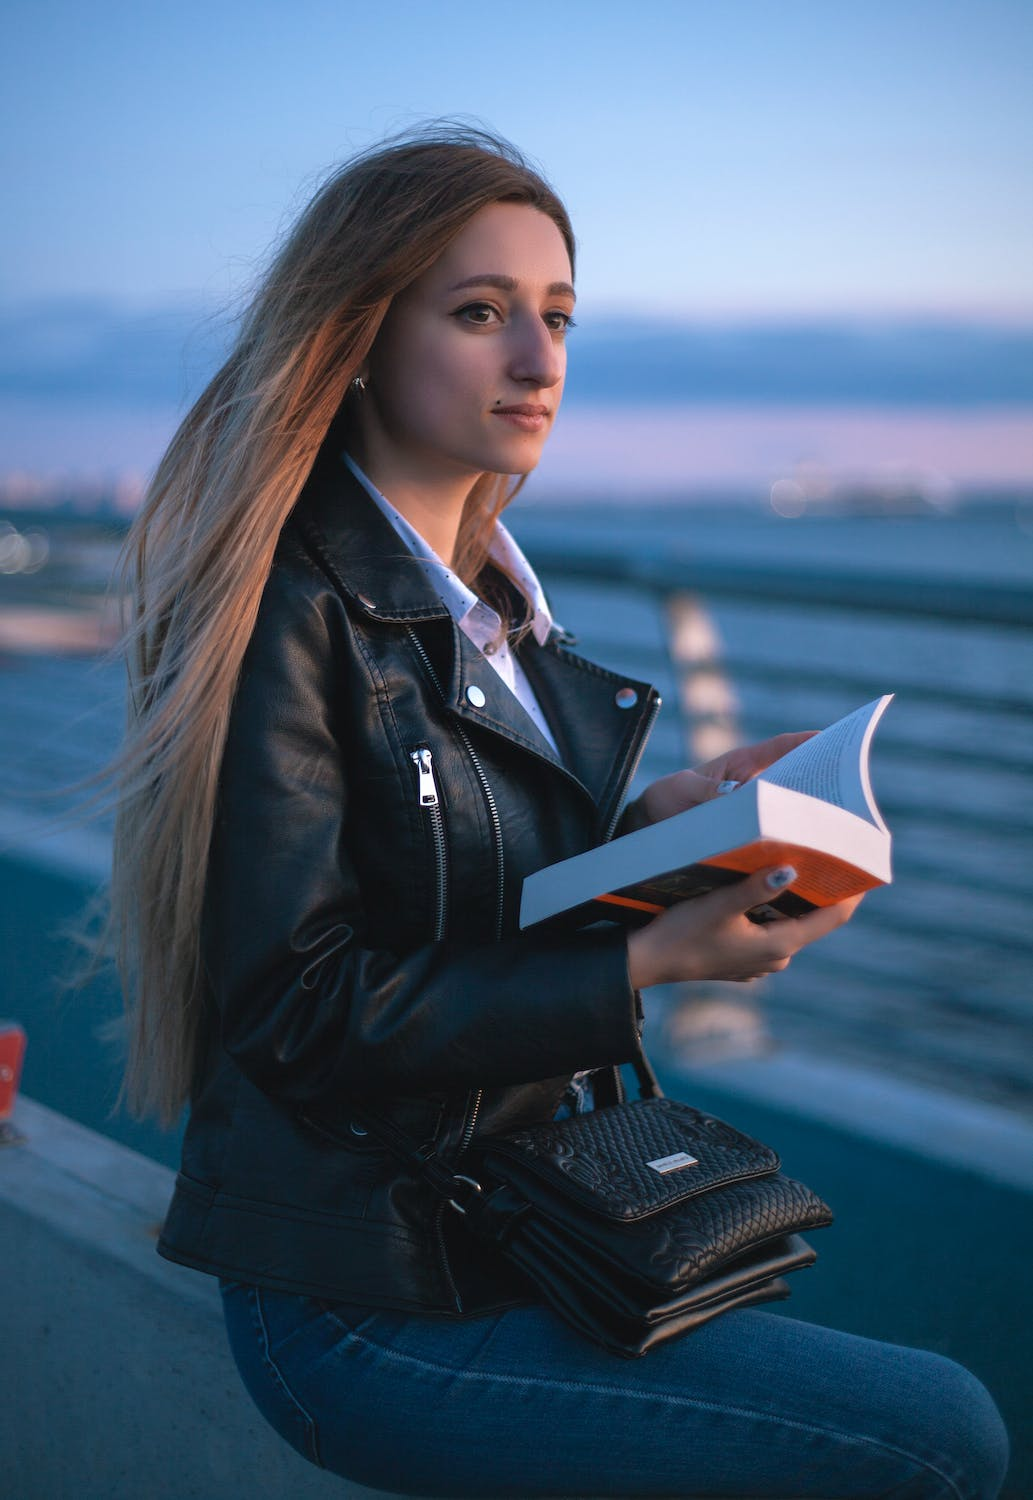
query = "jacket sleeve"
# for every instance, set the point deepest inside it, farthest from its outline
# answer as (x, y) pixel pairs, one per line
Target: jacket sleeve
(309, 1013)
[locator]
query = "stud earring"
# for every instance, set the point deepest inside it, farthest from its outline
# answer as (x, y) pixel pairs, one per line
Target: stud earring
(359, 385)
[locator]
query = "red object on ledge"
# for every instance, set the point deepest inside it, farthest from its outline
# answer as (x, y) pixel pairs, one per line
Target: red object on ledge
(12, 1050)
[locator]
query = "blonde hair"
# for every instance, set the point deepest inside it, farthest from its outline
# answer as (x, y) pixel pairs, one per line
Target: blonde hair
(198, 555)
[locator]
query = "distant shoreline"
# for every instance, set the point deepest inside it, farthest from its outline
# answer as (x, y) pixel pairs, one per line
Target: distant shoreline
(680, 451)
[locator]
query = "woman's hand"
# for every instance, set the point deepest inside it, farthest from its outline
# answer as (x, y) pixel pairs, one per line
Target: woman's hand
(711, 937)
(683, 789)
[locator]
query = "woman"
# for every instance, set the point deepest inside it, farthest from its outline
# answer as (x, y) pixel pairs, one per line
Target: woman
(356, 727)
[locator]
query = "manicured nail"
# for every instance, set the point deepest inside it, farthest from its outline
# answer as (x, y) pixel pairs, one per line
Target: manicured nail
(727, 786)
(778, 879)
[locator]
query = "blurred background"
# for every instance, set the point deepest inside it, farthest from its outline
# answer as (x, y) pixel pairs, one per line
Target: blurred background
(794, 469)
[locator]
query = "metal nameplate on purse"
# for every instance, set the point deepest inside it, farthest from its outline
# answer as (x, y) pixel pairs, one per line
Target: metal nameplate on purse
(674, 1162)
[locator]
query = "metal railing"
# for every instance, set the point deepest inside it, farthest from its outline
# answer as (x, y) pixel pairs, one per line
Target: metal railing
(934, 977)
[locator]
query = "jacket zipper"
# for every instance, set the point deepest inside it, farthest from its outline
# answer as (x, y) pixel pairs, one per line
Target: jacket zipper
(629, 775)
(427, 791)
(473, 1103)
(647, 725)
(473, 1108)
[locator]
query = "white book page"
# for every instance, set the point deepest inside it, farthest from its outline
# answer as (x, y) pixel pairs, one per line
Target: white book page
(833, 765)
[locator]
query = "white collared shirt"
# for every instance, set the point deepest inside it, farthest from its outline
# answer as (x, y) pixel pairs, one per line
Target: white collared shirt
(476, 619)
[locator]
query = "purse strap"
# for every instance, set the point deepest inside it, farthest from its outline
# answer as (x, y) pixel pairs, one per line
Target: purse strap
(648, 1083)
(420, 1158)
(422, 1161)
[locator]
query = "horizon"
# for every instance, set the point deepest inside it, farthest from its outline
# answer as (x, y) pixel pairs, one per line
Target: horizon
(89, 392)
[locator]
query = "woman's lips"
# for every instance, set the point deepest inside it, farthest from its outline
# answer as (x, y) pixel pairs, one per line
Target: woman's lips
(527, 417)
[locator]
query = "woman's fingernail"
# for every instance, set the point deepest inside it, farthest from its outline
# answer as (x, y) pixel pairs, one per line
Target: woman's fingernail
(780, 878)
(727, 786)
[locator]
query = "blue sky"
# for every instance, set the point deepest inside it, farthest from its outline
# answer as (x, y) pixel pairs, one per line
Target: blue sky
(827, 185)
(751, 157)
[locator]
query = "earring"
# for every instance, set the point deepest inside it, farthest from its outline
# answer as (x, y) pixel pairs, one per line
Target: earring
(359, 385)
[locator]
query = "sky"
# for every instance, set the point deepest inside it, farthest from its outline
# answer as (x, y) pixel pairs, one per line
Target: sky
(747, 157)
(763, 163)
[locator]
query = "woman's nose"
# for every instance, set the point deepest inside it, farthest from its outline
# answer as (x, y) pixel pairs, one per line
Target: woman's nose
(539, 357)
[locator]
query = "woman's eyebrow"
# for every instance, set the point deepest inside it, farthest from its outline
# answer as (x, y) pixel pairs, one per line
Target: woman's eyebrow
(510, 284)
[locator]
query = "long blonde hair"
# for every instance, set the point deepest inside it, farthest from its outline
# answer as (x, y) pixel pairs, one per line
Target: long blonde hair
(198, 555)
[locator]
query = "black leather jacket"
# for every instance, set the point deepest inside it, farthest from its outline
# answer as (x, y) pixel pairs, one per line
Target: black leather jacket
(359, 943)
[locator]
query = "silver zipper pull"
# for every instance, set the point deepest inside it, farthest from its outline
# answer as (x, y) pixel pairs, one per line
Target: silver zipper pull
(428, 788)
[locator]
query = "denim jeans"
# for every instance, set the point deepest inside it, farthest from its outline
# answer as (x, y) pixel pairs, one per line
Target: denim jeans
(515, 1403)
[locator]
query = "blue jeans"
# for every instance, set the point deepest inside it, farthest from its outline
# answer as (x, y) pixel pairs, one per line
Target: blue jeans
(515, 1403)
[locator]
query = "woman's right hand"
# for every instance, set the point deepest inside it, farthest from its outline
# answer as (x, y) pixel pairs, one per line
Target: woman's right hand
(711, 937)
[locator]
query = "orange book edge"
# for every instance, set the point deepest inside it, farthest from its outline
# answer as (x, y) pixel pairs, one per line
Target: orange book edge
(822, 879)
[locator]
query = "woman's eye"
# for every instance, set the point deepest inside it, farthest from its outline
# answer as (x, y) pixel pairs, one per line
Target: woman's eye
(480, 313)
(484, 315)
(559, 322)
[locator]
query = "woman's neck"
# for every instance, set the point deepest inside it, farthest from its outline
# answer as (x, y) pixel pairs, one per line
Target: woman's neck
(431, 504)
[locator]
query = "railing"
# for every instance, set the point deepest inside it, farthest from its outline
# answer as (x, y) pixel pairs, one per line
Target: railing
(934, 977)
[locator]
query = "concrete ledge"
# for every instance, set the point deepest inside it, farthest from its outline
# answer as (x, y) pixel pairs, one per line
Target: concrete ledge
(964, 1134)
(117, 1378)
(118, 1383)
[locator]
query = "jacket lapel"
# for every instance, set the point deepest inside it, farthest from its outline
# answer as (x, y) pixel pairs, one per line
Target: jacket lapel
(598, 717)
(478, 694)
(368, 561)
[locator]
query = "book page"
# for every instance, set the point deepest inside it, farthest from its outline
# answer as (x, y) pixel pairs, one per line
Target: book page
(833, 765)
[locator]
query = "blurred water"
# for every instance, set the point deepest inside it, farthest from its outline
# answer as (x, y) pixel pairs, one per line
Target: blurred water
(978, 541)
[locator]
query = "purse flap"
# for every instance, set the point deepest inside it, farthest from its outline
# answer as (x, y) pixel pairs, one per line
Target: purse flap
(626, 1161)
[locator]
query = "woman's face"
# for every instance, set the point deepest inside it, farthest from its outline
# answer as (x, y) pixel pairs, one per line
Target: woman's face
(468, 368)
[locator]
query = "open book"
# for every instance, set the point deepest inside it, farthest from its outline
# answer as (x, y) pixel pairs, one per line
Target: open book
(813, 809)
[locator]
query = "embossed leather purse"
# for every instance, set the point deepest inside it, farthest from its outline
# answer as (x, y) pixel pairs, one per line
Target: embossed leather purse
(637, 1222)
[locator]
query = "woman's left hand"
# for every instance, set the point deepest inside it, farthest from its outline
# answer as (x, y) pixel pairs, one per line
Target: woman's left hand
(683, 789)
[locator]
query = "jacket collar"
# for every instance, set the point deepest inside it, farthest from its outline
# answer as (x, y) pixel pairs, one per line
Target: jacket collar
(600, 718)
(471, 613)
(360, 547)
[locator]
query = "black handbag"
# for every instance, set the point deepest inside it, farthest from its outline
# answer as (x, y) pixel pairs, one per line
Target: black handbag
(636, 1222)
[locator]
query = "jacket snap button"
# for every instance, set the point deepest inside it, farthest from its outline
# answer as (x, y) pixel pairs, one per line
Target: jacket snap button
(475, 695)
(366, 600)
(625, 697)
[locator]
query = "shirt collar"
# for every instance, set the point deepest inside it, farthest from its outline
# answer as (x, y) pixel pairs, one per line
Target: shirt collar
(459, 600)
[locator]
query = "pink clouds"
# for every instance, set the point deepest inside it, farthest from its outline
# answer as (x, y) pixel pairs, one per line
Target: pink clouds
(682, 448)
(607, 448)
